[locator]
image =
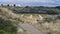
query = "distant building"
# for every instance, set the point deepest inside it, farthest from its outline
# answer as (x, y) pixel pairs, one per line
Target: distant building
(11, 4)
(3, 4)
(14, 5)
(17, 5)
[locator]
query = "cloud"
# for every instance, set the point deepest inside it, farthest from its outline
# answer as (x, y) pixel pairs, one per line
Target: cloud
(33, 2)
(44, 1)
(27, 1)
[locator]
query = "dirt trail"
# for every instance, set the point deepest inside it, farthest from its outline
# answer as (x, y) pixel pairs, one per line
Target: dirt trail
(30, 29)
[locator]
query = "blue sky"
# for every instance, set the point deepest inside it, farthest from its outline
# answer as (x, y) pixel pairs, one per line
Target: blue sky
(32, 2)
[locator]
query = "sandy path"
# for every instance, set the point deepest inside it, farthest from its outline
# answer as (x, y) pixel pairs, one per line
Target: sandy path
(30, 29)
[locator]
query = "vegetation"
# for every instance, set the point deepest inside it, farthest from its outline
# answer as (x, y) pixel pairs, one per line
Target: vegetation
(37, 10)
(57, 7)
(9, 22)
(48, 17)
(50, 23)
(6, 27)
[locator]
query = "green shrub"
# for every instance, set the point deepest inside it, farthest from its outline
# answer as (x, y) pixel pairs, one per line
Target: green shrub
(48, 32)
(4, 32)
(6, 26)
(49, 19)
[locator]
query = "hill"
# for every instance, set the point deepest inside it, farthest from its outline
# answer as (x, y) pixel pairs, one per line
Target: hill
(36, 10)
(45, 19)
(9, 22)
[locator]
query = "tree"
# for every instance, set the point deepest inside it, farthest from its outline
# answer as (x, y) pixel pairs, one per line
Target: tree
(57, 7)
(27, 7)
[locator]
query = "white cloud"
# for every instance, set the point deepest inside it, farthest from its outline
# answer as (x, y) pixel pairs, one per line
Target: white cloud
(28, 0)
(6, 0)
(43, 1)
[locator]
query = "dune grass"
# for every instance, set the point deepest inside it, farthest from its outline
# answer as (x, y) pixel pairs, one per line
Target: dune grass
(49, 26)
(8, 15)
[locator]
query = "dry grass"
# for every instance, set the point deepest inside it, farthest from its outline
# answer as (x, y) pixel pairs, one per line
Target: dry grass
(52, 27)
(46, 27)
(9, 15)
(29, 18)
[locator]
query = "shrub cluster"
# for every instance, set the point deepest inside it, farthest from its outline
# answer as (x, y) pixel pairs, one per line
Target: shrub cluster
(6, 27)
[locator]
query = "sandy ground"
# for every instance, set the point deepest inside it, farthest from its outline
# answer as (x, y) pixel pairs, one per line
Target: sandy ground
(30, 29)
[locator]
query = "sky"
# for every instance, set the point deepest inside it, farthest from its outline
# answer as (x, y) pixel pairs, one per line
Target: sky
(32, 2)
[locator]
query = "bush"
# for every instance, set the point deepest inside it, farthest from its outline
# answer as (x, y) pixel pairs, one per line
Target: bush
(48, 32)
(48, 19)
(58, 17)
(6, 26)
(57, 7)
(4, 32)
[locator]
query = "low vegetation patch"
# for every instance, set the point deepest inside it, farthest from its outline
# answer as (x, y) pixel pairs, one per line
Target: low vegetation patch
(9, 22)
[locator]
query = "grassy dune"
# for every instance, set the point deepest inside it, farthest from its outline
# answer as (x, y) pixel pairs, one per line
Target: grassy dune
(8, 15)
(48, 25)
